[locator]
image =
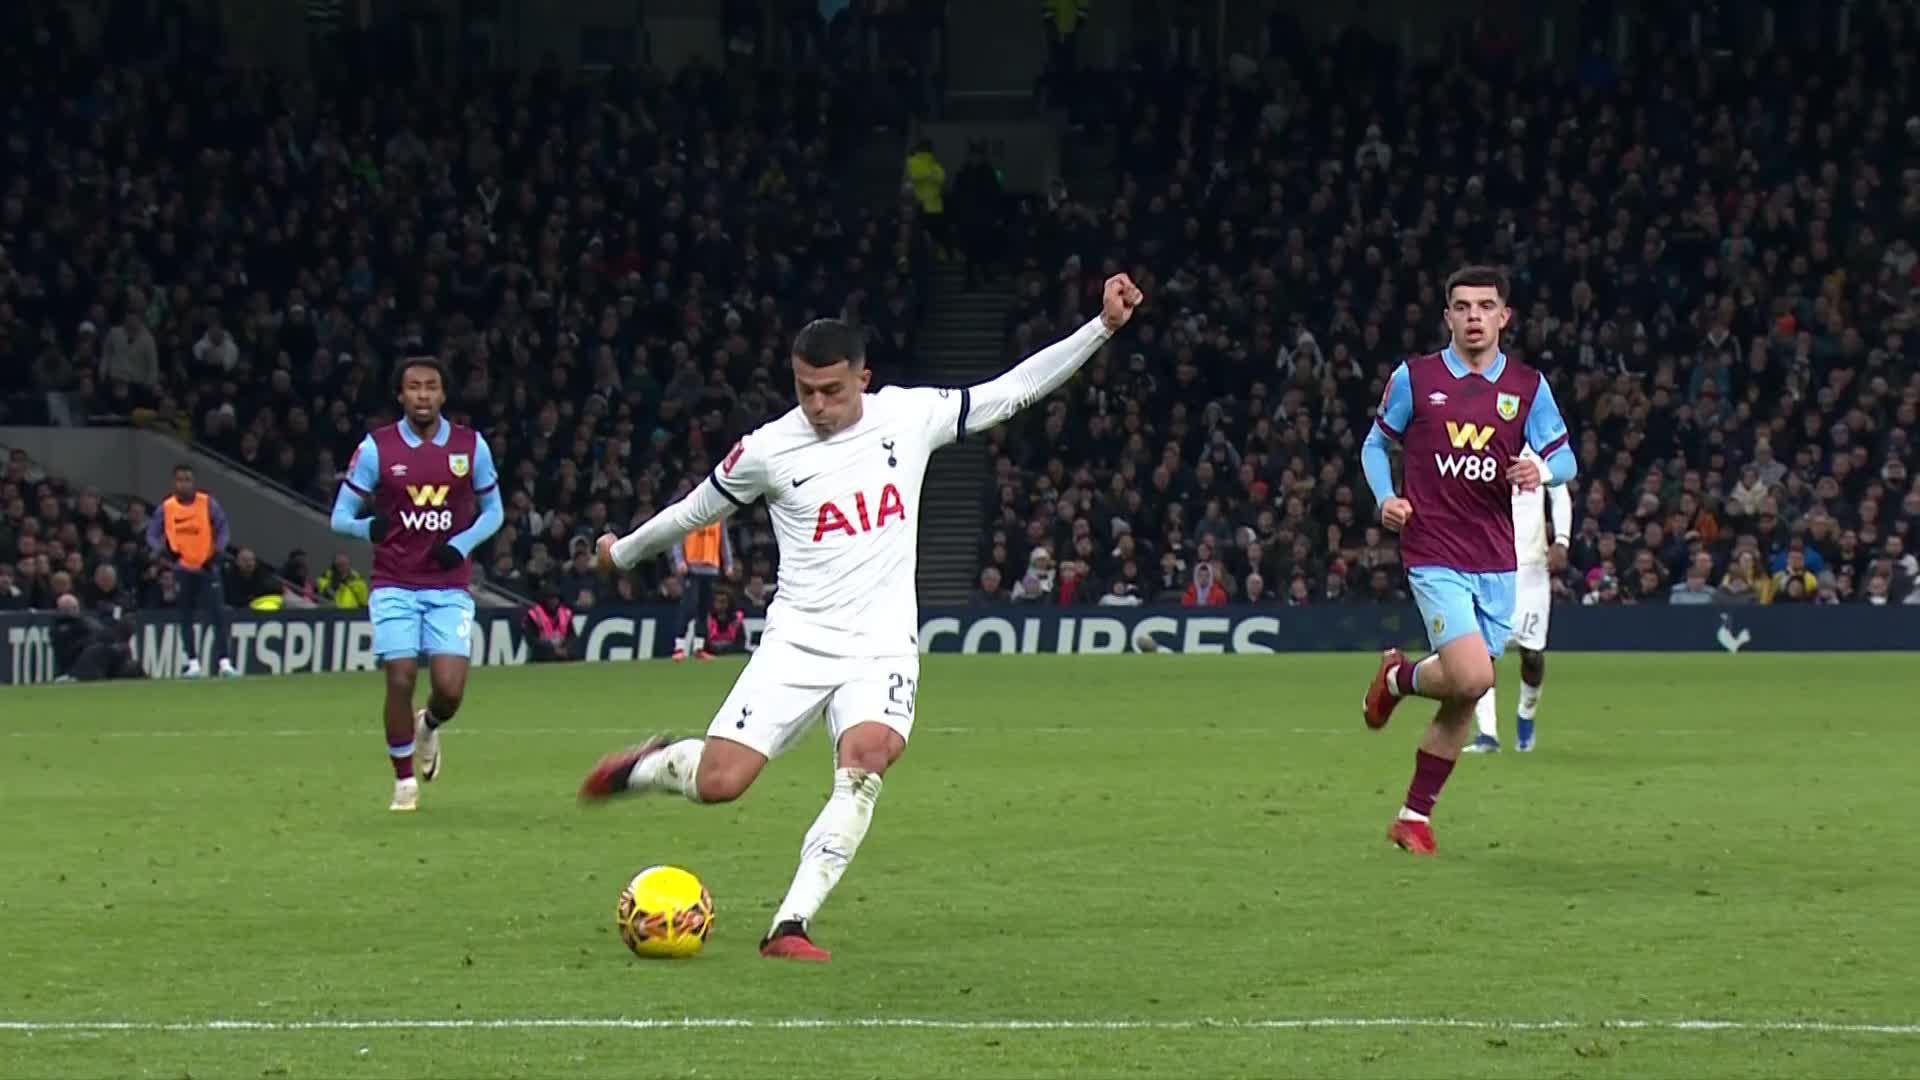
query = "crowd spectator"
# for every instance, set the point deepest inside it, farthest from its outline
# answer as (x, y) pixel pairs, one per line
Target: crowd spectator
(89, 645)
(341, 586)
(247, 579)
(1711, 260)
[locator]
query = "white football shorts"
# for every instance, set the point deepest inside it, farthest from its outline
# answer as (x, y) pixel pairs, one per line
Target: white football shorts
(784, 689)
(1532, 605)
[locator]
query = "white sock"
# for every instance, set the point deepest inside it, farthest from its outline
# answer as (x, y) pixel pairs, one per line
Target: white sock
(830, 844)
(1529, 700)
(1483, 715)
(673, 769)
(1411, 815)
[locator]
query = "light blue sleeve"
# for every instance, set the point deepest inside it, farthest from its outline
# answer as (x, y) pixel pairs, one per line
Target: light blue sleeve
(363, 472)
(1396, 407)
(346, 514)
(1376, 461)
(1547, 434)
(1376, 453)
(485, 476)
(493, 512)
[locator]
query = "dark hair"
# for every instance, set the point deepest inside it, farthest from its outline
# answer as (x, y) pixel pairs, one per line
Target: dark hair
(411, 362)
(183, 467)
(1482, 276)
(826, 342)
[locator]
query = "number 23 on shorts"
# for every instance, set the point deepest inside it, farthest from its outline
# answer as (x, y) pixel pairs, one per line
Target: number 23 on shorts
(900, 695)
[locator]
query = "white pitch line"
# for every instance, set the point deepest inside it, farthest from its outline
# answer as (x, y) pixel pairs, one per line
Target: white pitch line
(630, 732)
(1336, 1023)
(637, 732)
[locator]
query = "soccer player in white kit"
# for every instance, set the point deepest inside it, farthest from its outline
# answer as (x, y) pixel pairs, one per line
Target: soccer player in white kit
(841, 475)
(1532, 604)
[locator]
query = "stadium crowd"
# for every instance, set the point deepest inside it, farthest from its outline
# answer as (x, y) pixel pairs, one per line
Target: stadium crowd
(611, 270)
(1713, 261)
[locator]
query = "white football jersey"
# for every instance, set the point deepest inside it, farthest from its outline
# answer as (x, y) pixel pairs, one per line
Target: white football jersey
(846, 514)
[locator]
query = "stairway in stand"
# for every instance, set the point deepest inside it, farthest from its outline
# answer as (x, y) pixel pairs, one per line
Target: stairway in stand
(963, 342)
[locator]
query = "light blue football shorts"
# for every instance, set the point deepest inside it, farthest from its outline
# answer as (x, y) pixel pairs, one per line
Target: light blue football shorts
(409, 623)
(1454, 603)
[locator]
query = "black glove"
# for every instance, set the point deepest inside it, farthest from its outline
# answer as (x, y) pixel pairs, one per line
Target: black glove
(377, 528)
(446, 556)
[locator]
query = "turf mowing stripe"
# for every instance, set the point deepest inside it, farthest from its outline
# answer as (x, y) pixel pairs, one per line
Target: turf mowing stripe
(1814, 1027)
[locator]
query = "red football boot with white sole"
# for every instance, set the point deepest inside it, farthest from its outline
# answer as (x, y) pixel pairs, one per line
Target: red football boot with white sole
(789, 941)
(1413, 836)
(611, 776)
(1381, 700)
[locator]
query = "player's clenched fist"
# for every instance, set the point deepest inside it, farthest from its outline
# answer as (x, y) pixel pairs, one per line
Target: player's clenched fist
(1395, 512)
(1118, 300)
(1524, 474)
(605, 548)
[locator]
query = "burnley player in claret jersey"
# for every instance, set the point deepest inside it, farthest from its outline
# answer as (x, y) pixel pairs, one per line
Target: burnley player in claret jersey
(435, 497)
(1463, 417)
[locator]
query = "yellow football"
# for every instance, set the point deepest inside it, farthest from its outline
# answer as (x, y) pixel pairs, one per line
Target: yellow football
(665, 913)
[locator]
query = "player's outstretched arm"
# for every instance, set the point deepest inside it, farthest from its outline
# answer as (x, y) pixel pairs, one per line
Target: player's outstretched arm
(704, 505)
(993, 402)
(362, 474)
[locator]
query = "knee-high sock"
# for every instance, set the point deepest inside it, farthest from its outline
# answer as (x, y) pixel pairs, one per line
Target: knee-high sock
(831, 843)
(1483, 715)
(1529, 701)
(673, 769)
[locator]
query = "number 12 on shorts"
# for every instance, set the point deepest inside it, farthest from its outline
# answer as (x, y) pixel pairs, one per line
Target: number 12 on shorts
(900, 694)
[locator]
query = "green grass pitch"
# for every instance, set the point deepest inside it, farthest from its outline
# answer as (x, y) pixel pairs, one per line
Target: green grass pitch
(1183, 848)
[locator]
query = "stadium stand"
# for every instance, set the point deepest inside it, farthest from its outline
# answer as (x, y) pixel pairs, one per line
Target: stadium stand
(1713, 259)
(611, 268)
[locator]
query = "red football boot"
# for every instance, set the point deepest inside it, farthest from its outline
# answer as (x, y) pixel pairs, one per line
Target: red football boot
(789, 941)
(1413, 836)
(609, 777)
(1380, 700)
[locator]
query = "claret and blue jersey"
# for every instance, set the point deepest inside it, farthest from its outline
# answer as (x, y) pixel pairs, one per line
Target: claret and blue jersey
(1459, 430)
(440, 490)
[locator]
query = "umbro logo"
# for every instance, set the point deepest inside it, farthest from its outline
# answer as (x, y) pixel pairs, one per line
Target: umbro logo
(398, 470)
(797, 482)
(1437, 398)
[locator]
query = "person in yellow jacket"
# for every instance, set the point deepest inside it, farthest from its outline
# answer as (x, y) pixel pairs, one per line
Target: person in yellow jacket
(928, 178)
(342, 585)
(1063, 20)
